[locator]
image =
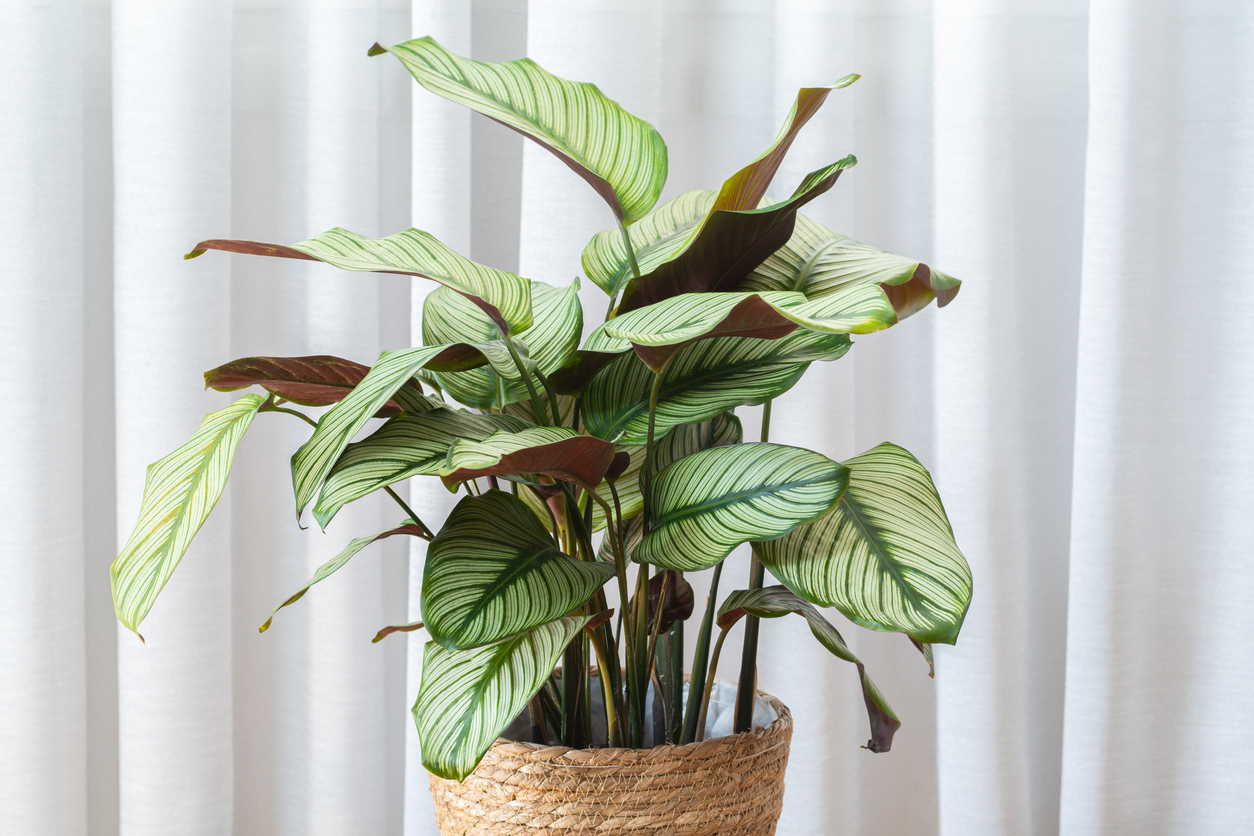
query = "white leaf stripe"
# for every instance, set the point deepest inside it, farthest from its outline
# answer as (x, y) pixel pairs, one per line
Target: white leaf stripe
(179, 492)
(885, 556)
(468, 697)
(654, 238)
(619, 154)
(493, 571)
(708, 503)
(704, 379)
(722, 430)
(407, 445)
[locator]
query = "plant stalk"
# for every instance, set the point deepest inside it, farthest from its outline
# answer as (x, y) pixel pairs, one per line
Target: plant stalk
(709, 686)
(701, 659)
(746, 687)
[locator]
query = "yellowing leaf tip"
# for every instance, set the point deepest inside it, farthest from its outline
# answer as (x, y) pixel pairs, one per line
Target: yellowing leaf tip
(193, 254)
(376, 50)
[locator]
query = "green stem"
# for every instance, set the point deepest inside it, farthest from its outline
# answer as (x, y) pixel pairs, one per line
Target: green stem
(709, 685)
(427, 535)
(701, 659)
(302, 416)
(746, 687)
(552, 395)
(646, 477)
(536, 404)
(631, 253)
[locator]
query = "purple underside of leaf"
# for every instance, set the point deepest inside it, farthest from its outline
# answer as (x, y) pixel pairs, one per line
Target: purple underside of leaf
(599, 619)
(752, 317)
(914, 294)
(396, 628)
(883, 724)
(317, 380)
(622, 460)
(573, 377)
(730, 245)
(583, 460)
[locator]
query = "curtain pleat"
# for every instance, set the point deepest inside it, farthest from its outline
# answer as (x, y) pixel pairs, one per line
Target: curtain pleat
(1084, 167)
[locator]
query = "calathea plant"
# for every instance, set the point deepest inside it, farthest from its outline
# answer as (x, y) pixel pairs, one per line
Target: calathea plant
(718, 300)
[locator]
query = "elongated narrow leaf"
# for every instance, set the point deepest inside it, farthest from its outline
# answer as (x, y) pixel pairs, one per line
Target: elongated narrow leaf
(179, 492)
(494, 571)
(549, 451)
(468, 697)
(655, 239)
(885, 557)
(396, 628)
(503, 296)
(313, 461)
(703, 380)
(706, 504)
(620, 155)
(729, 245)
(407, 445)
(319, 380)
(824, 264)
(551, 340)
(338, 562)
(776, 601)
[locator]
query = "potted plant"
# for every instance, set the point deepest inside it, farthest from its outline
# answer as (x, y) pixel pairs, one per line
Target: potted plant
(718, 300)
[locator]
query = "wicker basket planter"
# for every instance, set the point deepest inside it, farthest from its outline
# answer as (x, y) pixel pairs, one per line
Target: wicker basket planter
(728, 785)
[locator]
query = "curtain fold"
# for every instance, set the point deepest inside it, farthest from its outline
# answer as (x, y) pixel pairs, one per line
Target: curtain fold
(1084, 167)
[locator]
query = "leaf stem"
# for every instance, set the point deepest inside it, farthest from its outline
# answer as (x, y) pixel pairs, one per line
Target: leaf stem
(536, 406)
(709, 685)
(427, 535)
(302, 416)
(701, 659)
(646, 478)
(552, 396)
(746, 687)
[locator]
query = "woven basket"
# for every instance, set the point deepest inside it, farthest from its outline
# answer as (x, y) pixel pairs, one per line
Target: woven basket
(728, 785)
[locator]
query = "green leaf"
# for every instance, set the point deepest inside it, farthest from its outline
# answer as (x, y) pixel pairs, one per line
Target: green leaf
(723, 430)
(407, 445)
(885, 556)
(655, 238)
(704, 379)
(319, 380)
(179, 492)
(503, 296)
(728, 245)
(548, 451)
(313, 461)
(824, 264)
(494, 571)
(776, 601)
(630, 499)
(620, 155)
(336, 563)
(468, 697)
(706, 504)
(551, 340)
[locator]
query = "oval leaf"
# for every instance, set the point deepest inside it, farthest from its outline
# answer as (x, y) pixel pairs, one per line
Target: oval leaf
(179, 492)
(549, 451)
(468, 697)
(317, 380)
(885, 556)
(710, 502)
(494, 571)
(620, 155)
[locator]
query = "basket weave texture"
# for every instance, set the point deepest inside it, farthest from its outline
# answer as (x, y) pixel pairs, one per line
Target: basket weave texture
(729, 785)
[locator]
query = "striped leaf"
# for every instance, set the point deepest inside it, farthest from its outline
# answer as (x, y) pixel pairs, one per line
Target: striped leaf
(655, 238)
(885, 556)
(728, 245)
(407, 445)
(547, 451)
(552, 338)
(179, 492)
(493, 571)
(776, 601)
(468, 697)
(703, 380)
(503, 296)
(336, 563)
(824, 264)
(723, 430)
(523, 409)
(319, 380)
(620, 155)
(633, 532)
(313, 461)
(706, 504)
(630, 501)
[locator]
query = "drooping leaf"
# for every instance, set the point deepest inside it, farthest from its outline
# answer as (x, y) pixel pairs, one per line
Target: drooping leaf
(494, 571)
(679, 598)
(620, 155)
(468, 697)
(503, 296)
(396, 628)
(551, 340)
(407, 445)
(704, 379)
(549, 451)
(179, 492)
(728, 245)
(824, 264)
(706, 504)
(313, 461)
(885, 556)
(338, 562)
(319, 380)
(655, 238)
(776, 601)
(928, 656)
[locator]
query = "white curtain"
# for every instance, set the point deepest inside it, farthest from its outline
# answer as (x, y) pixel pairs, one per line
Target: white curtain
(1085, 404)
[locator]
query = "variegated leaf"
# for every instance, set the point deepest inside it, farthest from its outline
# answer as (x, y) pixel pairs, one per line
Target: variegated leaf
(777, 601)
(548, 451)
(319, 380)
(655, 238)
(706, 504)
(494, 571)
(885, 556)
(723, 430)
(620, 155)
(468, 697)
(179, 492)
